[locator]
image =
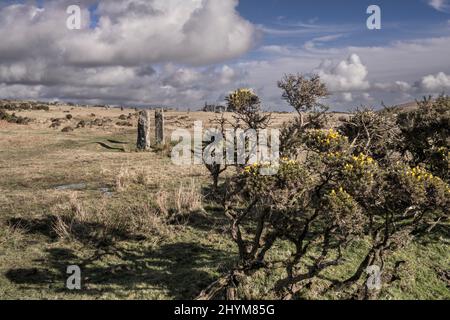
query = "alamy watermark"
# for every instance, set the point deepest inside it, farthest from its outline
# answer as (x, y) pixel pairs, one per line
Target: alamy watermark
(73, 22)
(374, 20)
(231, 147)
(73, 282)
(374, 279)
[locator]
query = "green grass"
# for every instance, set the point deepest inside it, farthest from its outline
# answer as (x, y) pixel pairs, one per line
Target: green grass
(176, 263)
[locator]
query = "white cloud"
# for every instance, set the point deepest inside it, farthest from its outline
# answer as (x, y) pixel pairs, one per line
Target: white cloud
(140, 52)
(129, 32)
(311, 44)
(440, 5)
(396, 86)
(436, 83)
(197, 32)
(347, 96)
(180, 53)
(347, 75)
(367, 97)
(383, 73)
(402, 86)
(275, 49)
(23, 91)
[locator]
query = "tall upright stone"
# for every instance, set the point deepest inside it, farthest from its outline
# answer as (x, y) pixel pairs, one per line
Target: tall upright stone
(159, 127)
(143, 139)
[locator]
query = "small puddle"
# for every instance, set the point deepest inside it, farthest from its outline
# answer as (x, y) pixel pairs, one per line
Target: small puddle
(106, 191)
(76, 186)
(82, 186)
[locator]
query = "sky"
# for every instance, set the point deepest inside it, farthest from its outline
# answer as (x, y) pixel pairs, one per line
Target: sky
(183, 53)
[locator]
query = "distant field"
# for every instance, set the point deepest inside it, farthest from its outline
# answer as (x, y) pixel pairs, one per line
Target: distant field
(118, 195)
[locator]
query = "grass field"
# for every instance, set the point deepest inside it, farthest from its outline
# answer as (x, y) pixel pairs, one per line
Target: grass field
(87, 198)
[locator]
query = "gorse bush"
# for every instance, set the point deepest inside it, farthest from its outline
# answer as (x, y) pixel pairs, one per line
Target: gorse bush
(425, 135)
(246, 108)
(323, 140)
(335, 187)
(247, 115)
(304, 95)
(242, 99)
(371, 132)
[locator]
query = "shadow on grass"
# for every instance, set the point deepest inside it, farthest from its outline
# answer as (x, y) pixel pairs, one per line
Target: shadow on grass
(122, 262)
(88, 233)
(116, 141)
(177, 269)
(212, 219)
(104, 145)
(437, 235)
(42, 226)
(214, 194)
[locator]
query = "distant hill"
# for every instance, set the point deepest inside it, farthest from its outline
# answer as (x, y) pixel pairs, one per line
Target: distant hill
(409, 106)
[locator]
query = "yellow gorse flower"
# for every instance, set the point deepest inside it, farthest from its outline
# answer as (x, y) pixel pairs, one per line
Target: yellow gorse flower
(254, 167)
(348, 167)
(340, 193)
(334, 154)
(325, 137)
(332, 134)
(288, 161)
(240, 97)
(363, 159)
(421, 174)
(360, 162)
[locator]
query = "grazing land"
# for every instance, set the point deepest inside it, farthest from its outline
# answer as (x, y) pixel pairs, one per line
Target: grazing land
(74, 191)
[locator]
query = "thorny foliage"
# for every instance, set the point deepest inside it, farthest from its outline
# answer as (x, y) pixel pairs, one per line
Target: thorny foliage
(369, 179)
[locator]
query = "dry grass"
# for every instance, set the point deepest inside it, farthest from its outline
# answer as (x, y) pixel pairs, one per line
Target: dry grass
(128, 176)
(142, 176)
(104, 223)
(13, 235)
(162, 200)
(178, 204)
(122, 180)
(146, 218)
(188, 199)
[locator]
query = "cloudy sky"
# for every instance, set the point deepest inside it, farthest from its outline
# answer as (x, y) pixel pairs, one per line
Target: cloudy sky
(185, 52)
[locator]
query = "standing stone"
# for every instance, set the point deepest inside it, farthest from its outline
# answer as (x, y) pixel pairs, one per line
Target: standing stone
(159, 127)
(143, 140)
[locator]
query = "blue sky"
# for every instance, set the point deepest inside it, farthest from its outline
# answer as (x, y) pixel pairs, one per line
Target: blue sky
(301, 20)
(342, 25)
(401, 20)
(185, 52)
(338, 12)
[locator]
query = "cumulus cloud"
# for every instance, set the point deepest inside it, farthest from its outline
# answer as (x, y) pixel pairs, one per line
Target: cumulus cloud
(136, 51)
(347, 75)
(129, 32)
(207, 79)
(392, 70)
(135, 31)
(396, 86)
(181, 53)
(435, 83)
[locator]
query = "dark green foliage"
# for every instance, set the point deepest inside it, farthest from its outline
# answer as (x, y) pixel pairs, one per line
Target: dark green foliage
(377, 179)
(304, 94)
(21, 106)
(13, 118)
(371, 132)
(425, 135)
